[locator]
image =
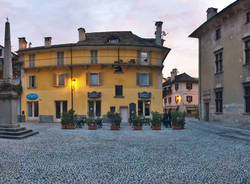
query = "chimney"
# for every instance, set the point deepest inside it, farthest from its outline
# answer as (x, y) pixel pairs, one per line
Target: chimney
(82, 34)
(47, 41)
(22, 43)
(30, 44)
(158, 32)
(211, 12)
(174, 73)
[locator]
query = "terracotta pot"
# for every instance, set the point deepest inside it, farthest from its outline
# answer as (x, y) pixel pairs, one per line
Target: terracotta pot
(137, 127)
(156, 127)
(114, 127)
(92, 127)
(68, 127)
(180, 127)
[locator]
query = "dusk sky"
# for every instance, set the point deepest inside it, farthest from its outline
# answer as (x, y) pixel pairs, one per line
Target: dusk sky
(36, 19)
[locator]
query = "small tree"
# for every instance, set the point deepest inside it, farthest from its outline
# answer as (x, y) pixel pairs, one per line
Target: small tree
(69, 118)
(156, 119)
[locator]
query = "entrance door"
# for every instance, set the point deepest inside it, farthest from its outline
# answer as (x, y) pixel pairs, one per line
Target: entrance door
(124, 114)
(61, 106)
(206, 111)
(32, 110)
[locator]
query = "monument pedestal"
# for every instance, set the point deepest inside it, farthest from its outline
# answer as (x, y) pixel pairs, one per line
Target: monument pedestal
(9, 127)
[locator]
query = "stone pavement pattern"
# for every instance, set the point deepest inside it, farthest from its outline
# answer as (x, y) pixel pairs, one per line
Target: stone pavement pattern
(201, 153)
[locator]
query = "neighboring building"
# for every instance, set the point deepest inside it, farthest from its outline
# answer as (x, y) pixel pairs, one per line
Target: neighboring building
(16, 65)
(181, 92)
(103, 71)
(224, 63)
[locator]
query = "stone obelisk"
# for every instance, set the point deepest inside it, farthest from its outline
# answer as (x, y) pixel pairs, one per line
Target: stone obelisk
(8, 94)
(9, 127)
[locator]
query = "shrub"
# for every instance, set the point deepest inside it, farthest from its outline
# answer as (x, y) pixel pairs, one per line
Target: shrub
(69, 118)
(138, 121)
(156, 119)
(115, 118)
(178, 118)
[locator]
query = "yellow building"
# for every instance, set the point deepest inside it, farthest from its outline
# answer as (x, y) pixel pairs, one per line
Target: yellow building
(103, 71)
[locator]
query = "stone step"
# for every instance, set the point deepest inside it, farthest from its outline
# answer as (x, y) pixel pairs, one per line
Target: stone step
(15, 133)
(13, 129)
(22, 136)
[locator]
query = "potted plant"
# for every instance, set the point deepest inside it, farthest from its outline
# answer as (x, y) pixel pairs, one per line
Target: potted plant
(137, 123)
(115, 120)
(69, 119)
(91, 121)
(156, 121)
(178, 120)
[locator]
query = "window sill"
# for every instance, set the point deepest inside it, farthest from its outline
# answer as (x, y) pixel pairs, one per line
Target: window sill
(246, 113)
(219, 73)
(118, 96)
(118, 72)
(218, 113)
(59, 86)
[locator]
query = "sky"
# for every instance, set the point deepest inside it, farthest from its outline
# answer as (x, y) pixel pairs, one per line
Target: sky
(60, 19)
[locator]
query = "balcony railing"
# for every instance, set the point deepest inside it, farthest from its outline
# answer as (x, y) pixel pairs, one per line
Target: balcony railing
(86, 60)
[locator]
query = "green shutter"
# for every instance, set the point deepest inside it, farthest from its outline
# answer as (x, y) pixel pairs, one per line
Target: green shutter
(138, 56)
(150, 57)
(150, 82)
(138, 79)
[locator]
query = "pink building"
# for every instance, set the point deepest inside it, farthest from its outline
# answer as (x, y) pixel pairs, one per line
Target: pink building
(181, 92)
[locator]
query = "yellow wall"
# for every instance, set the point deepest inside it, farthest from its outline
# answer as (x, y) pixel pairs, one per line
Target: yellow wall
(48, 94)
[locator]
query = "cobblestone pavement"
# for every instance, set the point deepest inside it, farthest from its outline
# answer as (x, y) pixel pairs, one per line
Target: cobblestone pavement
(202, 153)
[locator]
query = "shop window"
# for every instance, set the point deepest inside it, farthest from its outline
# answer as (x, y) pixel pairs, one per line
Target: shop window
(144, 108)
(94, 108)
(61, 106)
(33, 110)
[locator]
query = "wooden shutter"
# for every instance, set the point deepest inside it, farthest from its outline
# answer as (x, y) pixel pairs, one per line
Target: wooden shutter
(66, 76)
(87, 78)
(138, 79)
(29, 80)
(54, 80)
(35, 83)
(150, 81)
(100, 82)
(138, 56)
(150, 57)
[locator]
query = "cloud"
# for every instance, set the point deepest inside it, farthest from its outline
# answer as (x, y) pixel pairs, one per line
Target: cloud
(61, 18)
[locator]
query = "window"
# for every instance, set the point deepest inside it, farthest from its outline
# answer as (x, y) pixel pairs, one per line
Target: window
(176, 87)
(59, 79)
(218, 34)
(32, 81)
(113, 41)
(218, 62)
(93, 57)
(169, 100)
(144, 108)
(32, 59)
(219, 101)
(144, 57)
(94, 108)
(189, 99)
(247, 51)
(118, 91)
(94, 79)
(112, 109)
(61, 106)
(32, 110)
(189, 86)
(60, 58)
(1, 52)
(248, 17)
(165, 100)
(144, 79)
(247, 98)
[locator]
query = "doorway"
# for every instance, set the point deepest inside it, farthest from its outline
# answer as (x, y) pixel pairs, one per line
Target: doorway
(206, 111)
(124, 114)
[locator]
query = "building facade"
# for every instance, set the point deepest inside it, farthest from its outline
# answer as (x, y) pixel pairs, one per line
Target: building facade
(103, 71)
(224, 64)
(180, 92)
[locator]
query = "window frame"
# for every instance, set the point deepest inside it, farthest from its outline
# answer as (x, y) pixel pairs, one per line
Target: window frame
(60, 59)
(218, 101)
(142, 112)
(247, 98)
(176, 86)
(189, 99)
(218, 34)
(1, 52)
(247, 51)
(93, 56)
(32, 60)
(118, 88)
(248, 17)
(218, 61)
(33, 110)
(189, 85)
(62, 109)
(95, 108)
(32, 82)
(97, 82)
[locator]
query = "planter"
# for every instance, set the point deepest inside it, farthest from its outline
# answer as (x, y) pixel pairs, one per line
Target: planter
(92, 127)
(137, 127)
(114, 127)
(156, 127)
(179, 127)
(68, 127)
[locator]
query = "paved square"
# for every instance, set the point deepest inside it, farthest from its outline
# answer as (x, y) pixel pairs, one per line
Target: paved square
(202, 153)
